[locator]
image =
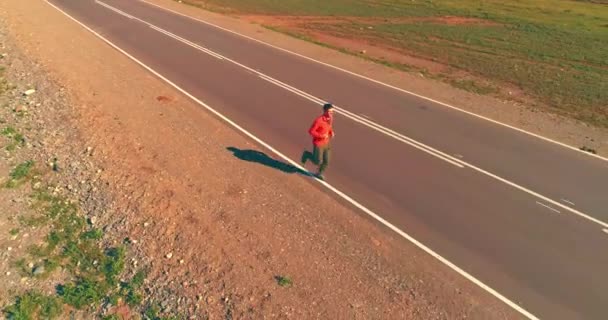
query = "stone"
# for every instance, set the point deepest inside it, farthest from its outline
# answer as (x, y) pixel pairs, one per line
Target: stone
(38, 270)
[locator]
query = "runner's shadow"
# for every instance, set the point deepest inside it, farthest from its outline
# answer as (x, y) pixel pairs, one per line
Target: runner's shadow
(262, 158)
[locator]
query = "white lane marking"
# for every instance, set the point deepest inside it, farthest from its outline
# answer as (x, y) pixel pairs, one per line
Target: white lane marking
(366, 117)
(167, 33)
(192, 44)
(381, 83)
(426, 249)
(369, 124)
(117, 10)
(548, 207)
(568, 202)
(393, 134)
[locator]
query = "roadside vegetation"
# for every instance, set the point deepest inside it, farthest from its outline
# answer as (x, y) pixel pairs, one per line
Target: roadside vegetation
(68, 267)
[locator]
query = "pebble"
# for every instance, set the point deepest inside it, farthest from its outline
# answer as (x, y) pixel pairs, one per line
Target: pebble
(29, 92)
(8, 273)
(376, 242)
(38, 270)
(169, 255)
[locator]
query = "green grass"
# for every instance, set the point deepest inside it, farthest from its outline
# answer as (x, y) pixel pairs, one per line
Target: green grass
(152, 312)
(32, 221)
(33, 305)
(15, 138)
(73, 245)
(14, 232)
(83, 292)
(22, 170)
(20, 174)
(283, 281)
(554, 50)
(472, 86)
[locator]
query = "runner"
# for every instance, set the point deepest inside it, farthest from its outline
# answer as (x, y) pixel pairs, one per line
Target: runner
(322, 133)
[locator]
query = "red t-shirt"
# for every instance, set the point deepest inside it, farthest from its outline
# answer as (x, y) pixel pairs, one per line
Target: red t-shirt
(321, 130)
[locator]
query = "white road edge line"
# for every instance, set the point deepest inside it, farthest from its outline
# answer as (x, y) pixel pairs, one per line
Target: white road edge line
(328, 186)
(548, 207)
(398, 136)
(381, 83)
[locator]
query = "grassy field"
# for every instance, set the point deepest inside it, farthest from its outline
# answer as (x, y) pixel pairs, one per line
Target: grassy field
(555, 51)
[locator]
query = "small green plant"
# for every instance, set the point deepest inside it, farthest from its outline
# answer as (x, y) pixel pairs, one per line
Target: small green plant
(20, 174)
(33, 305)
(9, 132)
(83, 292)
(75, 246)
(151, 311)
(22, 266)
(22, 170)
(130, 290)
(115, 263)
(283, 281)
(32, 221)
(17, 140)
(94, 234)
(473, 86)
(14, 232)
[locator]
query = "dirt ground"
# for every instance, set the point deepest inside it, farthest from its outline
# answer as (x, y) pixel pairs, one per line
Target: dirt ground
(216, 232)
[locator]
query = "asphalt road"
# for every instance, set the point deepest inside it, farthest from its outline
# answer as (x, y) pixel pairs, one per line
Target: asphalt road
(525, 216)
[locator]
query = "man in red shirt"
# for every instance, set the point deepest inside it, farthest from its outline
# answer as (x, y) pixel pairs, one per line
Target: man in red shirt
(322, 133)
